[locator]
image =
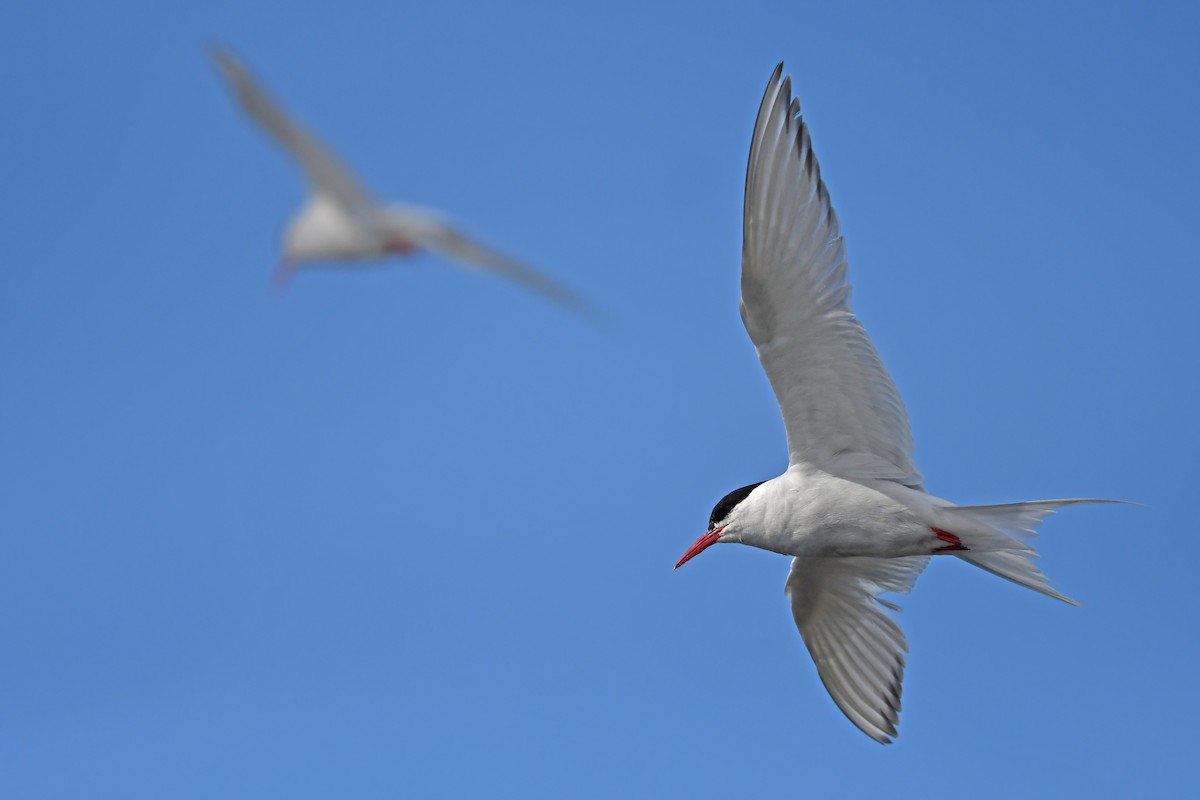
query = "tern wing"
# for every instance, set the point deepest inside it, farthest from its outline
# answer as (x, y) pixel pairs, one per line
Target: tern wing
(326, 174)
(444, 238)
(841, 410)
(859, 650)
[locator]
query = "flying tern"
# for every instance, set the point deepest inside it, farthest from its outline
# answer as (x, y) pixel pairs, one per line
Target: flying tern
(851, 507)
(343, 222)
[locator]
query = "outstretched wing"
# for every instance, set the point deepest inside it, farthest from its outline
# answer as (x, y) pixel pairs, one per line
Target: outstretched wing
(840, 407)
(442, 237)
(326, 174)
(859, 650)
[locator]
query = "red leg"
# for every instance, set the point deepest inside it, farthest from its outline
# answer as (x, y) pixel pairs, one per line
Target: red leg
(399, 245)
(953, 543)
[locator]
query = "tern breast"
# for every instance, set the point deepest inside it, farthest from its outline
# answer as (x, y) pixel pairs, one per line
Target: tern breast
(325, 231)
(809, 512)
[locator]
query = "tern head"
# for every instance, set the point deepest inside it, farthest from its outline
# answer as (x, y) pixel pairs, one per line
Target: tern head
(722, 523)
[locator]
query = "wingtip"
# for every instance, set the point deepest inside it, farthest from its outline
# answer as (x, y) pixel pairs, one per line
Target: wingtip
(227, 63)
(220, 54)
(592, 313)
(1054, 594)
(778, 87)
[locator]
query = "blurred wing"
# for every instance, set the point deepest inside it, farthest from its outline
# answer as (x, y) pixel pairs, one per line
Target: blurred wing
(450, 242)
(859, 650)
(840, 407)
(324, 172)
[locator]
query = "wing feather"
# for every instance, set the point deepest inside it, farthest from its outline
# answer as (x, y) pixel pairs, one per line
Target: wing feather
(327, 175)
(858, 649)
(840, 407)
(457, 245)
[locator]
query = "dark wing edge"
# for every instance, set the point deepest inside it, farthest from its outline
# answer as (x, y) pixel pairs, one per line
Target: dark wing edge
(859, 650)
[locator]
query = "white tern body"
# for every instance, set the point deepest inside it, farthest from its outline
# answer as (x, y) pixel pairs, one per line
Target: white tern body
(851, 506)
(343, 222)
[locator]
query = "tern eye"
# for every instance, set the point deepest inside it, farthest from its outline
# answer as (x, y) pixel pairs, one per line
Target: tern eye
(729, 502)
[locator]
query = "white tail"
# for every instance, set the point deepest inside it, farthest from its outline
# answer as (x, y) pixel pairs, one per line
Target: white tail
(1018, 520)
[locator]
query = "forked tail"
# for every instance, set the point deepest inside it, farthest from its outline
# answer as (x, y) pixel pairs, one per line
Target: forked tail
(1017, 523)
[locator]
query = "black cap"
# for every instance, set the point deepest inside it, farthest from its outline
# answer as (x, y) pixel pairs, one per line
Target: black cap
(722, 509)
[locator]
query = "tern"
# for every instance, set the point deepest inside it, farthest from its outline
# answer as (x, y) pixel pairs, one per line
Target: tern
(343, 222)
(851, 508)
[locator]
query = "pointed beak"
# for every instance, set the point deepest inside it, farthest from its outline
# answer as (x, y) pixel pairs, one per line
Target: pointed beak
(703, 543)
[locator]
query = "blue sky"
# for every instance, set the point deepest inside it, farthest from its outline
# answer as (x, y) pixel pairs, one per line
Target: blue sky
(409, 531)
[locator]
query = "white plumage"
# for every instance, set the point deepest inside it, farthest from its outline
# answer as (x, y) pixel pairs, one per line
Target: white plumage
(341, 221)
(851, 506)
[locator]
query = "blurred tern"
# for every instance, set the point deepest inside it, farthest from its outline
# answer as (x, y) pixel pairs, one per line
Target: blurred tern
(851, 507)
(342, 221)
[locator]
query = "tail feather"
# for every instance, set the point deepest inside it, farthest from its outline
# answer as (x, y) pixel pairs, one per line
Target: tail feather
(1020, 519)
(1017, 522)
(1018, 568)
